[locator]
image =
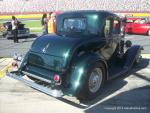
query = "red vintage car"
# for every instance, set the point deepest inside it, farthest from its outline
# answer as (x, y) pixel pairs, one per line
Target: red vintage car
(138, 26)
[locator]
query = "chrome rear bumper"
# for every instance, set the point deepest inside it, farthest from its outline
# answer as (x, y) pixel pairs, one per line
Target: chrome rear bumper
(44, 89)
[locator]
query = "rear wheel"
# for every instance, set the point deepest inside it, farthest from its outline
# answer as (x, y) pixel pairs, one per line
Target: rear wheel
(94, 82)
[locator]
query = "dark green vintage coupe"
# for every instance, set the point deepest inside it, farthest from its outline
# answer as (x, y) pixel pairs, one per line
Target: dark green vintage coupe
(87, 50)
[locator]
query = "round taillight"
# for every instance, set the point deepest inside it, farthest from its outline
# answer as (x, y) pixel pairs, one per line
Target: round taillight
(14, 64)
(56, 78)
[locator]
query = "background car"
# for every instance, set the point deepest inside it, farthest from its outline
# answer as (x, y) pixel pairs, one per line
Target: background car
(138, 26)
(22, 31)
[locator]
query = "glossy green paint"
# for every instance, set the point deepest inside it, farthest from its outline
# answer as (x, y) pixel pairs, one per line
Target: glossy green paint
(68, 54)
(53, 45)
(52, 51)
(79, 71)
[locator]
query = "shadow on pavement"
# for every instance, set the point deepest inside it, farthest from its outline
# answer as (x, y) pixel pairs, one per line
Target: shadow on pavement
(142, 77)
(132, 101)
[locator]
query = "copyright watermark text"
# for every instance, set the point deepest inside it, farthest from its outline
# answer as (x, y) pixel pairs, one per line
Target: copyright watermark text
(126, 108)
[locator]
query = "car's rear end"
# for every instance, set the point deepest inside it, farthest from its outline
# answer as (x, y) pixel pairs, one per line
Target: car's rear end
(44, 69)
(46, 62)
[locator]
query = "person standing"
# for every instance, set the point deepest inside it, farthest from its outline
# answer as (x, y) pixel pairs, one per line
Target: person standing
(44, 24)
(52, 23)
(14, 23)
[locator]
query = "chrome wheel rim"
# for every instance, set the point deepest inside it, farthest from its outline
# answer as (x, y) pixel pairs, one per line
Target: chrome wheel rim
(95, 80)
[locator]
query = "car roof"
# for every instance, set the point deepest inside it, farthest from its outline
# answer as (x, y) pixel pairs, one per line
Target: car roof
(98, 12)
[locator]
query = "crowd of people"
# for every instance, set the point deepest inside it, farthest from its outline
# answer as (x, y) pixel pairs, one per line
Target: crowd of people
(113, 5)
(25, 6)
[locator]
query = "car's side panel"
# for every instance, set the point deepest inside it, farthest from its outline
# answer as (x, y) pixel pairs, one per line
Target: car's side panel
(139, 28)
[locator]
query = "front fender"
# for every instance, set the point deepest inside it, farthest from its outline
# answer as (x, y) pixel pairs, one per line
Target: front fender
(79, 71)
(131, 54)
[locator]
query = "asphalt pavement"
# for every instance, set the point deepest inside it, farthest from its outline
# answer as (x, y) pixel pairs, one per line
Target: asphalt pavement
(142, 40)
(8, 47)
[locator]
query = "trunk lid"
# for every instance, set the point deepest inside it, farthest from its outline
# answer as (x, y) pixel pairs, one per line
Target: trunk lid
(51, 52)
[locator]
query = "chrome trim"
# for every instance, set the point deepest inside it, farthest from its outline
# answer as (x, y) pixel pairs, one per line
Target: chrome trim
(44, 89)
(37, 77)
(95, 80)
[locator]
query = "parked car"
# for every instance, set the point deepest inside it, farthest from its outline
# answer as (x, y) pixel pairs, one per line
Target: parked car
(22, 31)
(86, 51)
(138, 26)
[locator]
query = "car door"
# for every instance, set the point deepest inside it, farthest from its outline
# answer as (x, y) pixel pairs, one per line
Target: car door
(111, 34)
(139, 26)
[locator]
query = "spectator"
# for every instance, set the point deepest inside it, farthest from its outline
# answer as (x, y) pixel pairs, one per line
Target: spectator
(52, 23)
(124, 20)
(50, 15)
(44, 24)
(14, 23)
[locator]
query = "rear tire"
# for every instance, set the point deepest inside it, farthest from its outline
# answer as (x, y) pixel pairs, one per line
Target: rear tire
(94, 81)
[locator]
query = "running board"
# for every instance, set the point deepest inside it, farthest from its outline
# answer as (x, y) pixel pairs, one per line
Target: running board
(48, 91)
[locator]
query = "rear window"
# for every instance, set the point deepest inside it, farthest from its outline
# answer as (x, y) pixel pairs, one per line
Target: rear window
(78, 25)
(74, 24)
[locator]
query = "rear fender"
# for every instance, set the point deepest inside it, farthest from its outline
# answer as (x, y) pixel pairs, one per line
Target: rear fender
(79, 71)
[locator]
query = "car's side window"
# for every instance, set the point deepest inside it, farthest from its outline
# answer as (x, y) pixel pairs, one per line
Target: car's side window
(107, 28)
(116, 27)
